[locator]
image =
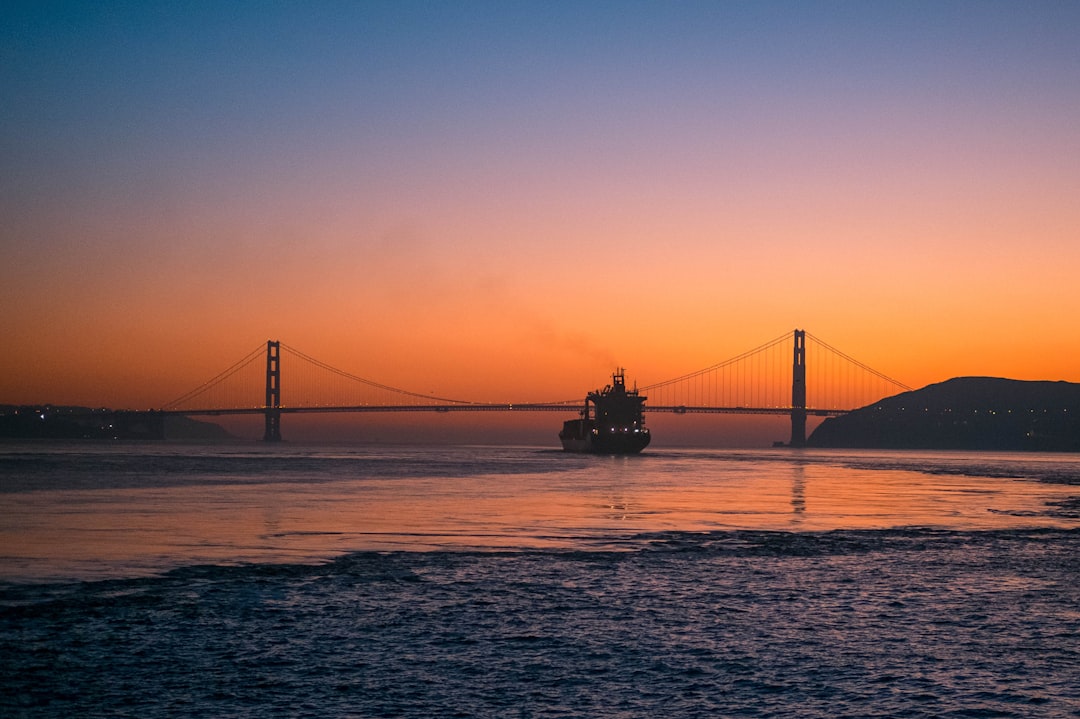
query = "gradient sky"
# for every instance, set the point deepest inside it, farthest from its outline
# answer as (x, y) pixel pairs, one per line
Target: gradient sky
(502, 201)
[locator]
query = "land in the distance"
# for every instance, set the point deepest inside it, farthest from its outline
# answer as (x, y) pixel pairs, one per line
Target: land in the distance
(972, 413)
(51, 422)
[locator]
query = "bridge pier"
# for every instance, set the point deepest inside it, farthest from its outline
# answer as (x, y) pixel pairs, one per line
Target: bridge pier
(798, 391)
(272, 407)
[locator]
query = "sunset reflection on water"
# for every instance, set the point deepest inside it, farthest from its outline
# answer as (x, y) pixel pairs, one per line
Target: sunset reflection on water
(490, 499)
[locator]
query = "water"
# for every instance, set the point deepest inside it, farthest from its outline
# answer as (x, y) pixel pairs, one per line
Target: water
(247, 580)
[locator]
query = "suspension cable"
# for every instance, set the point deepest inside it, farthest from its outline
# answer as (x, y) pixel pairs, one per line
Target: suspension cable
(733, 383)
(720, 365)
(859, 364)
(219, 378)
(369, 383)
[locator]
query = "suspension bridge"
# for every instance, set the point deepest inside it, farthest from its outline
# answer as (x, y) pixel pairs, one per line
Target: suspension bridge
(774, 378)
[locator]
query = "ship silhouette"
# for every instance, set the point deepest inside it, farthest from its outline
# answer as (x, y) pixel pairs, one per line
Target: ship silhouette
(612, 421)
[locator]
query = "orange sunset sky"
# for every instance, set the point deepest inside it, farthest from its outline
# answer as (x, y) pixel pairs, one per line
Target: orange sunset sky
(504, 201)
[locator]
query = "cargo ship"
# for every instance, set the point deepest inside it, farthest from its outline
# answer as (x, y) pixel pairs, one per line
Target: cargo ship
(611, 422)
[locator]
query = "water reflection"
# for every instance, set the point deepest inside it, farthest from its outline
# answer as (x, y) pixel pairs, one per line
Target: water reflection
(485, 498)
(798, 492)
(619, 509)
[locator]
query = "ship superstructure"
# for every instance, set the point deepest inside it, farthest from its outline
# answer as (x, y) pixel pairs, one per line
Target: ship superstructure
(612, 421)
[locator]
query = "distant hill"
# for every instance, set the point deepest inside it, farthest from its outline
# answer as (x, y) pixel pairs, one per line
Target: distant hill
(49, 422)
(181, 427)
(982, 413)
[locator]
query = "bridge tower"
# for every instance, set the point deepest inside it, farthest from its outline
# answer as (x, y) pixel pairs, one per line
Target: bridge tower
(272, 407)
(798, 391)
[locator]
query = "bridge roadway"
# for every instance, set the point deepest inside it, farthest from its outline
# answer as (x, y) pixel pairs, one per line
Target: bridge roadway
(506, 407)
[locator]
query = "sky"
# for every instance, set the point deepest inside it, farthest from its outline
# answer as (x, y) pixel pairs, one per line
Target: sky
(507, 200)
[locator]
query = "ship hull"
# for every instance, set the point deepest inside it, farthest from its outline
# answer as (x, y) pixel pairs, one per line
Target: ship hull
(584, 436)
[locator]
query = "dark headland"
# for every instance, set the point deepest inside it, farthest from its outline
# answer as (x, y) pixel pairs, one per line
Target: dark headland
(55, 422)
(975, 413)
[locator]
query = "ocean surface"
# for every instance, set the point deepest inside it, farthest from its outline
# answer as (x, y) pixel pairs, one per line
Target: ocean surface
(251, 580)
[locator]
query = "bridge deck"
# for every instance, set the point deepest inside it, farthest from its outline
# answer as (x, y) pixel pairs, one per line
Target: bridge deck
(507, 407)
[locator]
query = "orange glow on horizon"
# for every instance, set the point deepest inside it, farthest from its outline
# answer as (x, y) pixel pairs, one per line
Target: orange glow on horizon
(517, 236)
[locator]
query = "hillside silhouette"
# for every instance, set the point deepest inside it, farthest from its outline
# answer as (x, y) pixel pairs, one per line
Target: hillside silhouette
(980, 413)
(62, 422)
